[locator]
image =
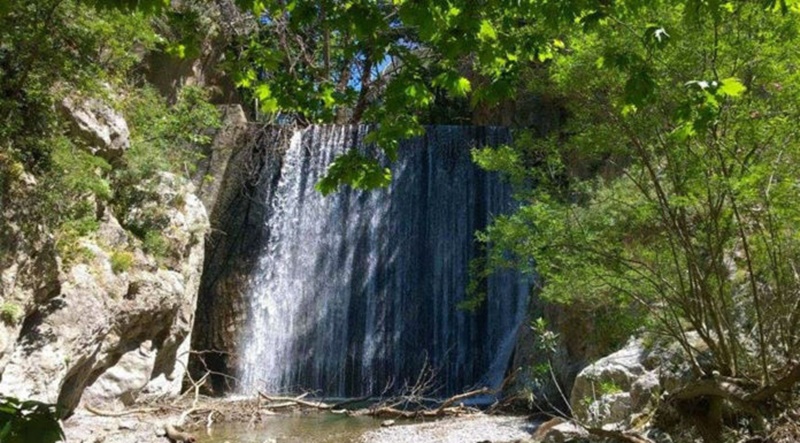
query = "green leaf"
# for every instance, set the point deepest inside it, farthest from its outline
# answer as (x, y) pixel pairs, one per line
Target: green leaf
(455, 84)
(327, 96)
(731, 87)
(683, 132)
(263, 92)
(487, 31)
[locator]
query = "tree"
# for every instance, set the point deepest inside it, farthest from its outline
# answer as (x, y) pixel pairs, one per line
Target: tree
(671, 187)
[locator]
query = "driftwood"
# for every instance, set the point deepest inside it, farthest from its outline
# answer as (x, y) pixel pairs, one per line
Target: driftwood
(388, 409)
(104, 413)
(445, 408)
(283, 402)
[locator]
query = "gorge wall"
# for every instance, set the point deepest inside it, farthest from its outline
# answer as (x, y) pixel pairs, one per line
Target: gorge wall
(346, 293)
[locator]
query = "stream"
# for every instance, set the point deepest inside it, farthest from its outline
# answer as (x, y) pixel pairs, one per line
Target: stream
(314, 428)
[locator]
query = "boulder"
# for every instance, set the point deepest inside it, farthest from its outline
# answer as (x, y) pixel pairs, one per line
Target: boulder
(601, 393)
(104, 130)
(619, 389)
(565, 432)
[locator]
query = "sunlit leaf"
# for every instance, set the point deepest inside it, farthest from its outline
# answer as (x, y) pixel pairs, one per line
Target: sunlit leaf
(487, 31)
(731, 87)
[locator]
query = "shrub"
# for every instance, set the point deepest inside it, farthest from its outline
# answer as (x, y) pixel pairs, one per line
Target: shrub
(11, 313)
(155, 244)
(121, 261)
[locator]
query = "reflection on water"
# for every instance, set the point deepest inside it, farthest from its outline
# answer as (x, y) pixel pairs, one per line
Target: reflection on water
(316, 428)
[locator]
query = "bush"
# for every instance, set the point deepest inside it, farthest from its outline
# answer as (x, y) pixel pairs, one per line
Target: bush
(155, 244)
(11, 313)
(68, 237)
(121, 261)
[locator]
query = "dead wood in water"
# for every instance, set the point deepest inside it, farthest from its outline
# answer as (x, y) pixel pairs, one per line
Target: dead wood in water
(281, 401)
(385, 409)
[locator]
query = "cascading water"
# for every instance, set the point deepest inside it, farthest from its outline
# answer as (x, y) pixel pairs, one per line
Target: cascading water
(359, 289)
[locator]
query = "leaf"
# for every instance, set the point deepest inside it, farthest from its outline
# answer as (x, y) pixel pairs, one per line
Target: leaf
(263, 92)
(486, 32)
(327, 96)
(456, 85)
(640, 87)
(683, 132)
(731, 87)
(176, 49)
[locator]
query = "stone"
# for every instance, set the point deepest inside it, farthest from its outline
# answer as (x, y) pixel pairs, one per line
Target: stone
(211, 169)
(644, 389)
(124, 380)
(609, 409)
(565, 432)
(616, 372)
(103, 129)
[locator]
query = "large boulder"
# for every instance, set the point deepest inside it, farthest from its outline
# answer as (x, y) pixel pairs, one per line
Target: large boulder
(616, 390)
(116, 320)
(601, 393)
(103, 130)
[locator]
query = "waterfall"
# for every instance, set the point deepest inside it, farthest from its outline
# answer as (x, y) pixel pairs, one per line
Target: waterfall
(357, 290)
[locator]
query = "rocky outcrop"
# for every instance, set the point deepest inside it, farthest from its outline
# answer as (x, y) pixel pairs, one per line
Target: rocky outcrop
(117, 322)
(113, 319)
(104, 130)
(219, 24)
(622, 390)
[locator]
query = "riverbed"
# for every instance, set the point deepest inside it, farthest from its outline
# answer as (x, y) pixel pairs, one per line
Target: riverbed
(310, 428)
(330, 428)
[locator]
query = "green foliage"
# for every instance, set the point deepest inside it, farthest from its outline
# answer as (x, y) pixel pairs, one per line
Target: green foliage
(546, 339)
(68, 239)
(164, 137)
(29, 421)
(51, 49)
(608, 387)
(121, 261)
(167, 137)
(666, 192)
(355, 168)
(154, 243)
(11, 313)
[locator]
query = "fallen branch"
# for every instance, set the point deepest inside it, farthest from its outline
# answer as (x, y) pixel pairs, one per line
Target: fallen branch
(460, 397)
(342, 404)
(296, 400)
(103, 413)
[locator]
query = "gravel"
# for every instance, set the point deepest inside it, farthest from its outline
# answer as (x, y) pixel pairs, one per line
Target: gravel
(471, 429)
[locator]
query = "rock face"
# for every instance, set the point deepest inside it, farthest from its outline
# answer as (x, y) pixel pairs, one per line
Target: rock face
(115, 321)
(238, 205)
(117, 331)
